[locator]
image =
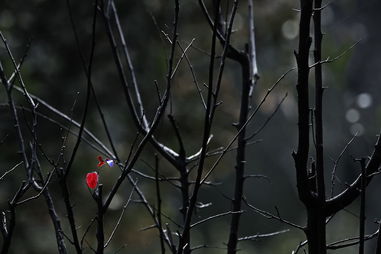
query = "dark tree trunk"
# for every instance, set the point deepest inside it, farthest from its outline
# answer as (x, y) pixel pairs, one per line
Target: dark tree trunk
(240, 159)
(316, 231)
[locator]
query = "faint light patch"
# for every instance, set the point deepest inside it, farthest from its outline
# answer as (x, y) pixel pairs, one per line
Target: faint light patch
(289, 107)
(327, 16)
(352, 115)
(237, 23)
(269, 104)
(116, 202)
(357, 129)
(25, 19)
(154, 5)
(7, 19)
(290, 29)
(364, 100)
(359, 32)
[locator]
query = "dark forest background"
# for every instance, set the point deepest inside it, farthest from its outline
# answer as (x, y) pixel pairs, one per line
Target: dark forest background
(53, 71)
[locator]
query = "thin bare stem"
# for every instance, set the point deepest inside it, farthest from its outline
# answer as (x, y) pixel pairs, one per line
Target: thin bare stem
(158, 200)
(214, 217)
(336, 163)
(272, 216)
(10, 170)
(362, 207)
(259, 236)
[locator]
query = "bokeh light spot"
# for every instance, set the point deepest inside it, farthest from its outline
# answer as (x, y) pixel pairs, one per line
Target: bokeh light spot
(357, 129)
(364, 100)
(352, 115)
(290, 29)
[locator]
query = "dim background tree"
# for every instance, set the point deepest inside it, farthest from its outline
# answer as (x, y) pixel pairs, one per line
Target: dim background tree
(69, 63)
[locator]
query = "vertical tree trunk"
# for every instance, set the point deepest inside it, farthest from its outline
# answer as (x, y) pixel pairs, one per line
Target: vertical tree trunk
(240, 159)
(312, 195)
(316, 231)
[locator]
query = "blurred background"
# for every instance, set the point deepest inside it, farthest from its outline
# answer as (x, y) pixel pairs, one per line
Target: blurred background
(53, 72)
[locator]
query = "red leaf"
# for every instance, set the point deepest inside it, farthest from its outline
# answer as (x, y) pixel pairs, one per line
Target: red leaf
(92, 180)
(101, 161)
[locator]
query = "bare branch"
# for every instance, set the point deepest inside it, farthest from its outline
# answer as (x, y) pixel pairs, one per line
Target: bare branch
(214, 217)
(10, 170)
(272, 216)
(259, 236)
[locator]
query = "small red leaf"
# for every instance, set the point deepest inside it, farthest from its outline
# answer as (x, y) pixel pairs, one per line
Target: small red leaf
(101, 161)
(92, 180)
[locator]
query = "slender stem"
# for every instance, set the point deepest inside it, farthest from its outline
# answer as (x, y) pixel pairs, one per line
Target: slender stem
(12, 106)
(353, 191)
(378, 247)
(56, 222)
(158, 200)
(130, 66)
(252, 48)
(100, 231)
(162, 149)
(155, 122)
(319, 104)
(183, 243)
(7, 230)
(302, 56)
(70, 215)
(7, 236)
(83, 61)
(240, 159)
(88, 92)
(182, 168)
(362, 207)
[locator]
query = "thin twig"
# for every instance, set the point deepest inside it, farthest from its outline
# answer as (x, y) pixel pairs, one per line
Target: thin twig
(214, 217)
(350, 241)
(336, 162)
(330, 60)
(268, 119)
(120, 217)
(181, 57)
(10, 170)
(258, 236)
(244, 125)
(272, 216)
(158, 200)
(41, 191)
(193, 75)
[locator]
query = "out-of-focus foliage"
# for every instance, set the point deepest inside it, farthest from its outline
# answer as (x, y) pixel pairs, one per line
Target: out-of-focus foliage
(53, 71)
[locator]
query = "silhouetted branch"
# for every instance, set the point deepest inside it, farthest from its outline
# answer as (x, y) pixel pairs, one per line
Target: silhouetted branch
(362, 207)
(100, 213)
(347, 196)
(349, 241)
(88, 93)
(378, 246)
(336, 162)
(158, 200)
(272, 216)
(214, 217)
(83, 60)
(193, 73)
(249, 119)
(165, 151)
(10, 170)
(259, 236)
(330, 60)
